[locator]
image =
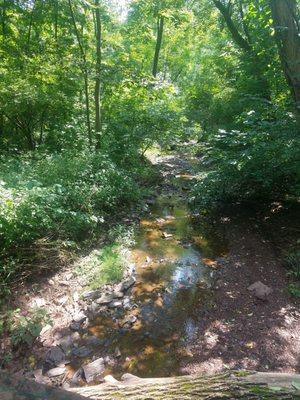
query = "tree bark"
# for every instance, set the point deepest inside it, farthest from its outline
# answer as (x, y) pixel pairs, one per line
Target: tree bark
(231, 385)
(98, 122)
(159, 37)
(286, 24)
(85, 74)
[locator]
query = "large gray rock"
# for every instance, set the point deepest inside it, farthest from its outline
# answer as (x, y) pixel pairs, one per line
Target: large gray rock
(55, 356)
(260, 290)
(94, 370)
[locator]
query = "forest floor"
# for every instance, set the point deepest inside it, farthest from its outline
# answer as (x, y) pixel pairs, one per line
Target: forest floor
(214, 326)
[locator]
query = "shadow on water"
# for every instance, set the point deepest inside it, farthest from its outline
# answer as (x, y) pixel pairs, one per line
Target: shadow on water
(175, 256)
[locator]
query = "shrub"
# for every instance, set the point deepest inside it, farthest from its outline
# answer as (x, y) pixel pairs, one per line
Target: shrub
(26, 327)
(62, 196)
(292, 263)
(259, 162)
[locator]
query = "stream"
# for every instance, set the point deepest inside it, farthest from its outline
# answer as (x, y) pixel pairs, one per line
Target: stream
(175, 256)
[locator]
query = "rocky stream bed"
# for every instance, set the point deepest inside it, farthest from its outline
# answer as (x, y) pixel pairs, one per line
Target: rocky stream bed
(182, 294)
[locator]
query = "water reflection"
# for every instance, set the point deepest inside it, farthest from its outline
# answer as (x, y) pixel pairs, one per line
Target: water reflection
(174, 255)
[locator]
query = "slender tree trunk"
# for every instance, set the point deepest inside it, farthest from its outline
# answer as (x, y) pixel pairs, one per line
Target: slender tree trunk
(3, 18)
(30, 26)
(85, 74)
(30, 139)
(159, 37)
(56, 20)
(243, 41)
(286, 24)
(98, 122)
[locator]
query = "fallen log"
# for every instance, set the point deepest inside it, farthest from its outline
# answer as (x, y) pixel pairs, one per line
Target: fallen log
(231, 385)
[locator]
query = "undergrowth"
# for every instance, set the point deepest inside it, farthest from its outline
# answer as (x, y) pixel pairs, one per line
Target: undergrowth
(257, 161)
(71, 197)
(292, 263)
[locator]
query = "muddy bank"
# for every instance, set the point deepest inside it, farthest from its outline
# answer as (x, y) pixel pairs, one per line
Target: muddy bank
(241, 331)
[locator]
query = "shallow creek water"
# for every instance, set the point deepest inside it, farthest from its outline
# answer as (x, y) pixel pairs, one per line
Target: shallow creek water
(175, 255)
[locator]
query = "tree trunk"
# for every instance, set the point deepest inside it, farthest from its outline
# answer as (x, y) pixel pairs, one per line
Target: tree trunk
(30, 26)
(3, 19)
(160, 30)
(85, 74)
(231, 385)
(56, 20)
(286, 24)
(98, 123)
(242, 42)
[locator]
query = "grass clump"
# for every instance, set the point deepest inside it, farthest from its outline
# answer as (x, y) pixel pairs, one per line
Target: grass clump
(102, 267)
(292, 263)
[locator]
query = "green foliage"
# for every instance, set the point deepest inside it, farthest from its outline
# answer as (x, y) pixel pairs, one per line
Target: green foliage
(139, 115)
(294, 290)
(292, 263)
(25, 327)
(69, 196)
(257, 163)
(65, 195)
(102, 267)
(234, 98)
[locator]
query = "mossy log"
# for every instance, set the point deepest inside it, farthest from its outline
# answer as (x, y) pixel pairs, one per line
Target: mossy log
(231, 385)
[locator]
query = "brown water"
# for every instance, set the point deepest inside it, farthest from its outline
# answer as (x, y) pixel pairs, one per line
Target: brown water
(175, 256)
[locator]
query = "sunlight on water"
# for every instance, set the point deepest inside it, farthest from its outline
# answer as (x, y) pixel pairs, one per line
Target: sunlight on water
(173, 274)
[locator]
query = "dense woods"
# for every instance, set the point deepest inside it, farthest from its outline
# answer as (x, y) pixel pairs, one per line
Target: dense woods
(90, 88)
(86, 89)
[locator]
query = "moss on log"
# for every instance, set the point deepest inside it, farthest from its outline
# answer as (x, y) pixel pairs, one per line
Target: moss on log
(231, 385)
